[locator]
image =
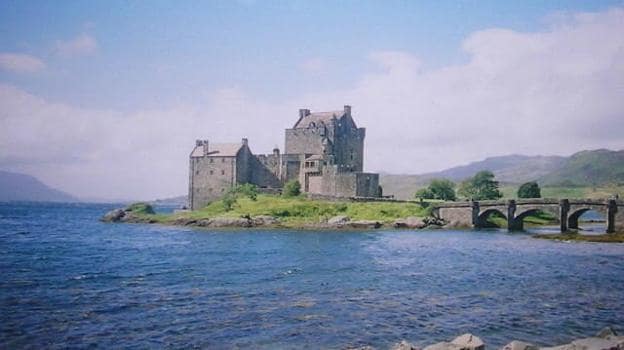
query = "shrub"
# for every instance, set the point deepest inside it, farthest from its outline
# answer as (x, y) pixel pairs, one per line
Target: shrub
(529, 190)
(292, 189)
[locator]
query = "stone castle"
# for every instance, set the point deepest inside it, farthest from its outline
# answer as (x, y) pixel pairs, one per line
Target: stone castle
(324, 151)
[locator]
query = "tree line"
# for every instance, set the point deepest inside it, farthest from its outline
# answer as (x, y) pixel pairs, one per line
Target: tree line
(482, 186)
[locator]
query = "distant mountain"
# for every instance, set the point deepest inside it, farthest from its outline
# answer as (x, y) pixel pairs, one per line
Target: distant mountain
(586, 168)
(21, 187)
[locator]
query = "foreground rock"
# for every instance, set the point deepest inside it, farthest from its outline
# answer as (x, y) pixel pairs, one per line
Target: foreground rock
(404, 345)
(519, 345)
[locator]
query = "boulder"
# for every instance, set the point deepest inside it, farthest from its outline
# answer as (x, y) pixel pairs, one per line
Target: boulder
(606, 333)
(203, 222)
(519, 345)
(595, 343)
(404, 345)
(114, 215)
(339, 220)
(469, 342)
(230, 222)
(184, 221)
(410, 222)
(364, 224)
(443, 346)
(262, 220)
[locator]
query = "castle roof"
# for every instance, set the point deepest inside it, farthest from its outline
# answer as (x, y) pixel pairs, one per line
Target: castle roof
(218, 150)
(317, 118)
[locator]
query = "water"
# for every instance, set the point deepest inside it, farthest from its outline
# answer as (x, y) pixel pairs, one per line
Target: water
(71, 281)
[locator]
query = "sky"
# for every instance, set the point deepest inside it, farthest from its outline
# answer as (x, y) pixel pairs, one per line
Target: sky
(104, 99)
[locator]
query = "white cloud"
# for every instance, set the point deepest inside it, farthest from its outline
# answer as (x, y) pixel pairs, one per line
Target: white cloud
(82, 45)
(20, 63)
(551, 92)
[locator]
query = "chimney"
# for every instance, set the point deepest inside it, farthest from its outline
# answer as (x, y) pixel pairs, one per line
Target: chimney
(245, 142)
(303, 113)
(205, 143)
(199, 143)
(347, 110)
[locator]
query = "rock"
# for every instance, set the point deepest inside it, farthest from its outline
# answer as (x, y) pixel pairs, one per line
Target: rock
(339, 220)
(184, 221)
(365, 224)
(262, 220)
(230, 222)
(594, 343)
(203, 222)
(404, 345)
(113, 216)
(598, 344)
(433, 221)
(606, 332)
(443, 346)
(519, 345)
(469, 342)
(410, 222)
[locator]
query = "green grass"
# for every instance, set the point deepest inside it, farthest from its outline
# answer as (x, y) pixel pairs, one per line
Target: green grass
(297, 211)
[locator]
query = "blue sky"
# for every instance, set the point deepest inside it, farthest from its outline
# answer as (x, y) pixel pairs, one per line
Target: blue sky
(89, 81)
(152, 53)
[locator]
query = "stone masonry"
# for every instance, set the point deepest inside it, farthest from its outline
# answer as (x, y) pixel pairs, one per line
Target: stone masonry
(324, 151)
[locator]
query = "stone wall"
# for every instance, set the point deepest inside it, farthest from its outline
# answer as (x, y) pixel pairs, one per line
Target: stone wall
(304, 141)
(349, 148)
(367, 185)
(265, 170)
(210, 178)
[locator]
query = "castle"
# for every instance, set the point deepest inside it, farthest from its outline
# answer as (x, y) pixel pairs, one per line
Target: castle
(324, 151)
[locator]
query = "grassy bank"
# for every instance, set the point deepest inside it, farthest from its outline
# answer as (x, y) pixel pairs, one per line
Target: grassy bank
(299, 211)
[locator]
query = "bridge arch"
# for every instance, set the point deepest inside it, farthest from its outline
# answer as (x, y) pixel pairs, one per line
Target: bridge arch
(482, 218)
(575, 215)
(517, 222)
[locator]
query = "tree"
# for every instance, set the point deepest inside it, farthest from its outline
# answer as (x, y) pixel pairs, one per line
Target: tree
(529, 190)
(424, 193)
(292, 189)
(443, 189)
(438, 189)
(481, 186)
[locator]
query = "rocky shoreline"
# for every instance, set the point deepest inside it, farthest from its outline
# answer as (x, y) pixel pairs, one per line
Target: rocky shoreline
(606, 339)
(147, 215)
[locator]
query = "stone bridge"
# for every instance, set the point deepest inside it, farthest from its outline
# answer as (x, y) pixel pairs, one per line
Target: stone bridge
(567, 212)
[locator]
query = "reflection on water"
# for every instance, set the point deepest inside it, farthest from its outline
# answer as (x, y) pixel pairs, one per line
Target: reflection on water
(68, 280)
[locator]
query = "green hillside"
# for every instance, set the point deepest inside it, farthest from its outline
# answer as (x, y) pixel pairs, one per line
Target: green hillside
(588, 168)
(586, 174)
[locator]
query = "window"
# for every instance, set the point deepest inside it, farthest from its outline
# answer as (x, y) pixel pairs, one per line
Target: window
(222, 172)
(196, 172)
(211, 172)
(210, 190)
(222, 160)
(211, 160)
